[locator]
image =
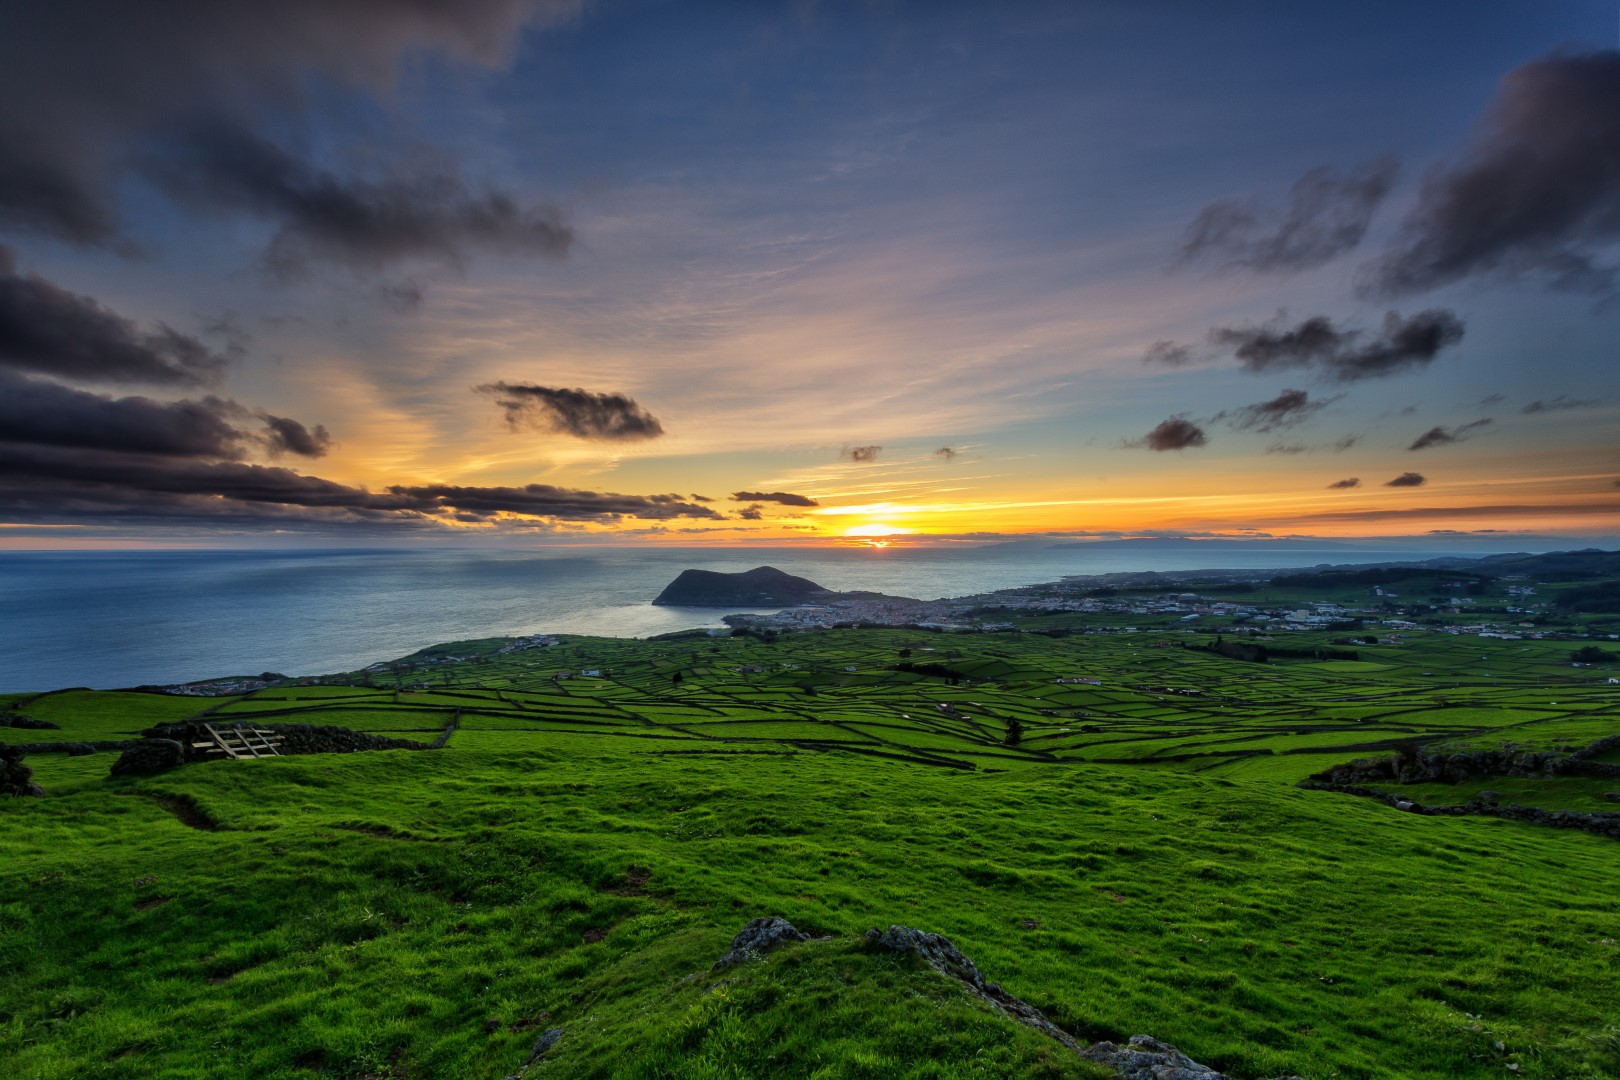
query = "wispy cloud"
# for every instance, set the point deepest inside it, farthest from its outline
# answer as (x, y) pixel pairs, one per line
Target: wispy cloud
(1443, 436)
(1327, 214)
(1288, 409)
(1557, 404)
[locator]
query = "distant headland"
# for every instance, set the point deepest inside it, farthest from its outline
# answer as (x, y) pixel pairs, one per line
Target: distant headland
(763, 586)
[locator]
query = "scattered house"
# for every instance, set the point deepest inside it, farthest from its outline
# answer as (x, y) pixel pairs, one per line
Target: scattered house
(1082, 679)
(534, 641)
(592, 673)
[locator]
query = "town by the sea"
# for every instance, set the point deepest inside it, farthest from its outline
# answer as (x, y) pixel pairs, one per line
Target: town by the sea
(128, 618)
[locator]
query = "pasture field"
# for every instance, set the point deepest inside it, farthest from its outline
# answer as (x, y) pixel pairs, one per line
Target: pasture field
(1131, 856)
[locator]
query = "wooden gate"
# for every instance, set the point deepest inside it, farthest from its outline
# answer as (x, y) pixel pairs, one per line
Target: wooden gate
(239, 742)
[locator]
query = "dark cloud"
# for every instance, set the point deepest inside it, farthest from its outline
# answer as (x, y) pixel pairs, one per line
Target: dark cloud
(1176, 433)
(786, 498)
(48, 414)
(695, 497)
(1491, 399)
(1435, 436)
(1288, 448)
(1557, 404)
(1343, 355)
(48, 330)
(1407, 479)
(755, 512)
(1345, 443)
(545, 500)
(67, 453)
(946, 453)
(37, 198)
(1288, 409)
(47, 482)
(286, 436)
(126, 479)
(1328, 213)
(41, 413)
(578, 412)
(1168, 353)
(362, 223)
(862, 453)
(1441, 436)
(1347, 482)
(1313, 341)
(1535, 193)
(85, 81)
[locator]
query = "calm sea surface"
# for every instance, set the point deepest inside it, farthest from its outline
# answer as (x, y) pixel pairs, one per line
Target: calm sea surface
(121, 619)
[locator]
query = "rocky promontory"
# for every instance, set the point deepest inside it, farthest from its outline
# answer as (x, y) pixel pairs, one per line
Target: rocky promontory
(763, 586)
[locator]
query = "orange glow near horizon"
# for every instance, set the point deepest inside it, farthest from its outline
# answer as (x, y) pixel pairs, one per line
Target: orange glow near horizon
(877, 529)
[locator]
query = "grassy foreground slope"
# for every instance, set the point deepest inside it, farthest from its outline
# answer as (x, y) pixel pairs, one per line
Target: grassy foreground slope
(1139, 861)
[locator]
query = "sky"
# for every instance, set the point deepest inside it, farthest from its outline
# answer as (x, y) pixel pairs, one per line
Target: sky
(628, 271)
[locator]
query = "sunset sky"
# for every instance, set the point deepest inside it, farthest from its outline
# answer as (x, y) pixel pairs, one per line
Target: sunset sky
(535, 273)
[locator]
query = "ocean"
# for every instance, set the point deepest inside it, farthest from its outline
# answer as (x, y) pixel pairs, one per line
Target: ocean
(115, 619)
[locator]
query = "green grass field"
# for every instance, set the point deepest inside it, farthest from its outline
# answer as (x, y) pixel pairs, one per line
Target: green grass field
(1137, 860)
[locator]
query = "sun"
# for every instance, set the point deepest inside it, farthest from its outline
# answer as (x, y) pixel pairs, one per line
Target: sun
(876, 528)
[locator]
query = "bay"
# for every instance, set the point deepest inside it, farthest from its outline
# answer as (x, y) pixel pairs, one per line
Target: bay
(113, 619)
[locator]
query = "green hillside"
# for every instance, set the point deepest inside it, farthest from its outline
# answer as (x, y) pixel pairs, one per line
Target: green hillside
(1127, 856)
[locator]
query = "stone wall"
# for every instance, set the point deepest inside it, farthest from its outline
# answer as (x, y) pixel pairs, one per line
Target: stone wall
(170, 745)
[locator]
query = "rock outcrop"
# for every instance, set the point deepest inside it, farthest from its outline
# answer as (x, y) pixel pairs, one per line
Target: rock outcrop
(22, 720)
(763, 586)
(1142, 1058)
(542, 1046)
(15, 777)
(758, 937)
(937, 952)
(1146, 1058)
(148, 756)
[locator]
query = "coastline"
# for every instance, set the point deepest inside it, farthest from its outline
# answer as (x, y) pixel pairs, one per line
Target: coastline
(1146, 593)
